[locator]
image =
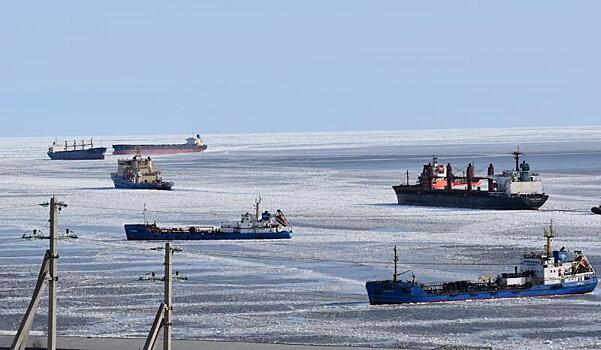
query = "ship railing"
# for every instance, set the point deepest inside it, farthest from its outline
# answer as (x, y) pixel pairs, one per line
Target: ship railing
(470, 287)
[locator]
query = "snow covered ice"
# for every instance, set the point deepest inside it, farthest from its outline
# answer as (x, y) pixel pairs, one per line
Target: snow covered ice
(336, 190)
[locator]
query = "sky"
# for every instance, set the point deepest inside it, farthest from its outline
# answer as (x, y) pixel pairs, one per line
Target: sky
(157, 67)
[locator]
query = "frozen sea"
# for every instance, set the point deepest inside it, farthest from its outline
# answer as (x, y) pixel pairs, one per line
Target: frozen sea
(335, 187)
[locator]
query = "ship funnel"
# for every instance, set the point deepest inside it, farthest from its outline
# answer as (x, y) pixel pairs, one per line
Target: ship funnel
(491, 176)
(524, 171)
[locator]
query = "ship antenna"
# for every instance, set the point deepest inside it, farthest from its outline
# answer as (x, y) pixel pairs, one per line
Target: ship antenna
(145, 215)
(396, 260)
(257, 204)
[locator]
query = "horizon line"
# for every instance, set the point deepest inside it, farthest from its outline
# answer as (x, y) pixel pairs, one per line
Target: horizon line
(305, 132)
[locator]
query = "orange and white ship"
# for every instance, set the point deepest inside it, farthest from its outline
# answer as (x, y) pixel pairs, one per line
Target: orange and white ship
(440, 177)
(438, 186)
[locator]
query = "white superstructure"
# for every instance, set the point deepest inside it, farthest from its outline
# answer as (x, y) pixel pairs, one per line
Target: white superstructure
(264, 222)
(195, 140)
(519, 182)
(550, 267)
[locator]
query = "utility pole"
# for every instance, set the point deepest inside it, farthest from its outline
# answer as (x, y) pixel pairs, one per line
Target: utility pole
(168, 304)
(163, 317)
(48, 270)
(55, 208)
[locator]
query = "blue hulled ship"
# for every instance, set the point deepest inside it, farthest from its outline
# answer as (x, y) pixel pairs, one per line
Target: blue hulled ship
(547, 273)
(250, 226)
(75, 151)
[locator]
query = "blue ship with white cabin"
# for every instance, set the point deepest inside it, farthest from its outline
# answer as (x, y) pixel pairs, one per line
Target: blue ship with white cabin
(250, 226)
(547, 273)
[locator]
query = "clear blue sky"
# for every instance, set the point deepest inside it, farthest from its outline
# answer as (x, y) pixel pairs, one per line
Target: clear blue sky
(133, 67)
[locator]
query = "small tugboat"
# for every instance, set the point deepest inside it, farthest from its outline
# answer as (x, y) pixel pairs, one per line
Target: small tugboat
(551, 272)
(257, 226)
(75, 151)
(437, 186)
(139, 173)
(193, 144)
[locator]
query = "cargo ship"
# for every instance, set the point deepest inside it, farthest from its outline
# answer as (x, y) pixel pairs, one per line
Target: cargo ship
(438, 186)
(139, 173)
(250, 226)
(76, 151)
(193, 144)
(547, 273)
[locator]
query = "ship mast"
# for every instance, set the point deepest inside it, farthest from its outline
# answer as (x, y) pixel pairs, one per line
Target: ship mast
(516, 156)
(145, 216)
(549, 234)
(257, 204)
(396, 260)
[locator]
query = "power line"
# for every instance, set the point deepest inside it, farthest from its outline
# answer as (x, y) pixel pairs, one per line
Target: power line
(19, 206)
(299, 258)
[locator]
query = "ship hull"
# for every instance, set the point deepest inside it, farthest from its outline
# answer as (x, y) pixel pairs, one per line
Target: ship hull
(384, 292)
(86, 154)
(158, 149)
(122, 183)
(143, 232)
(410, 195)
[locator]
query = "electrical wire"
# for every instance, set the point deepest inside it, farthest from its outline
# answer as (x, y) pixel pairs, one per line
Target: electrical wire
(117, 242)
